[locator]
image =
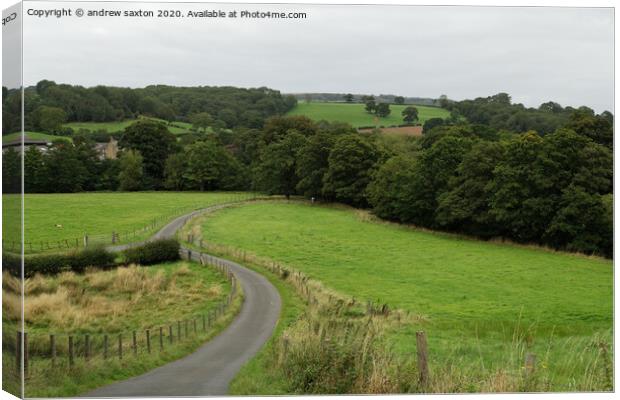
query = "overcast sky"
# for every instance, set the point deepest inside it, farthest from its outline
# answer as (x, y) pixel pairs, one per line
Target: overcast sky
(535, 54)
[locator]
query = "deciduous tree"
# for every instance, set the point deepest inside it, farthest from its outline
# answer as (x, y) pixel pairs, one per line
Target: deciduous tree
(155, 143)
(131, 171)
(352, 162)
(410, 114)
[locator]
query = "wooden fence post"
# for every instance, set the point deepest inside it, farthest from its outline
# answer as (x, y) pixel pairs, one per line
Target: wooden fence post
(530, 364)
(148, 341)
(161, 338)
(178, 330)
(170, 333)
(85, 240)
(422, 348)
(53, 349)
(120, 346)
(18, 352)
(71, 354)
(86, 347)
(105, 347)
(134, 343)
(25, 353)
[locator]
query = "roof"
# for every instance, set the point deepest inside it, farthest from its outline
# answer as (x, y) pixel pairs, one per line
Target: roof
(27, 142)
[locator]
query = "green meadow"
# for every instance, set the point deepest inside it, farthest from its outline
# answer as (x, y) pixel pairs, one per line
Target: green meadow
(356, 115)
(482, 304)
(34, 136)
(53, 217)
(176, 128)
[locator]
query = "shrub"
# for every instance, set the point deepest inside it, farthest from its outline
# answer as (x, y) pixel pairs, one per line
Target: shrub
(12, 264)
(153, 252)
(93, 257)
(52, 264)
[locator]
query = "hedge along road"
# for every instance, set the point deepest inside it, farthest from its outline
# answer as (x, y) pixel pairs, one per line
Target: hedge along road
(209, 370)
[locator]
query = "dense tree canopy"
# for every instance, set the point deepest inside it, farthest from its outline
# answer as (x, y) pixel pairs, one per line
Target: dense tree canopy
(228, 106)
(351, 163)
(131, 171)
(410, 114)
(155, 143)
(499, 113)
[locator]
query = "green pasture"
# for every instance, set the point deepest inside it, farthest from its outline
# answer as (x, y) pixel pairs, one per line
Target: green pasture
(356, 115)
(483, 305)
(54, 217)
(34, 136)
(176, 128)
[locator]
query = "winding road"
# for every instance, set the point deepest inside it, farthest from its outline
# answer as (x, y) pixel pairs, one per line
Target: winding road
(209, 370)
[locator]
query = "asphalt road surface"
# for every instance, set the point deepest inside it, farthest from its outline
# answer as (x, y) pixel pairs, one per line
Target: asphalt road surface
(209, 370)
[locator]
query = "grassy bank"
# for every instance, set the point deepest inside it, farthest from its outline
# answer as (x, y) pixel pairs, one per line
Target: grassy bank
(483, 305)
(356, 115)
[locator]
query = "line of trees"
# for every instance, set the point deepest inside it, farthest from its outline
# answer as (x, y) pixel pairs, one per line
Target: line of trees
(48, 105)
(499, 113)
(553, 189)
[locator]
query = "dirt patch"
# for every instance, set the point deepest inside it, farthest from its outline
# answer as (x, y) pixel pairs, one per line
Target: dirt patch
(399, 130)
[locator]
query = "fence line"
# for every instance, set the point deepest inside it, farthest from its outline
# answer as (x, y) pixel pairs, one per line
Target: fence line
(88, 346)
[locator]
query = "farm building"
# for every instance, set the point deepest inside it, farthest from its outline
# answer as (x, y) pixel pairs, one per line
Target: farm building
(16, 144)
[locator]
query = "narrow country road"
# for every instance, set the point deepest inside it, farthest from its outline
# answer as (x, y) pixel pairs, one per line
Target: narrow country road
(209, 370)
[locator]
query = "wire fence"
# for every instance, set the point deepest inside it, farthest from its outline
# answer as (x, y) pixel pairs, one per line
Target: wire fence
(66, 349)
(117, 236)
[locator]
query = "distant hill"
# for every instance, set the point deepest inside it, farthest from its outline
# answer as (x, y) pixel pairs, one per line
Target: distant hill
(357, 98)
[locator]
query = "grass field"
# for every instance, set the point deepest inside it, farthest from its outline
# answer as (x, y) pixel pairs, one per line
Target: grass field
(35, 136)
(483, 305)
(176, 128)
(113, 302)
(54, 217)
(356, 115)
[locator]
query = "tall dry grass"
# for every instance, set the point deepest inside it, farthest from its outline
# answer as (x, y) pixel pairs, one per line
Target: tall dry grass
(71, 301)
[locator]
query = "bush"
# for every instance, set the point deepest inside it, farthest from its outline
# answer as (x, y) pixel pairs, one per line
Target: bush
(52, 264)
(12, 264)
(93, 257)
(153, 252)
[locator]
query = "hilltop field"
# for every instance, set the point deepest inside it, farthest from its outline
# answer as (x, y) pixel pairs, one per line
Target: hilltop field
(356, 115)
(34, 136)
(175, 127)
